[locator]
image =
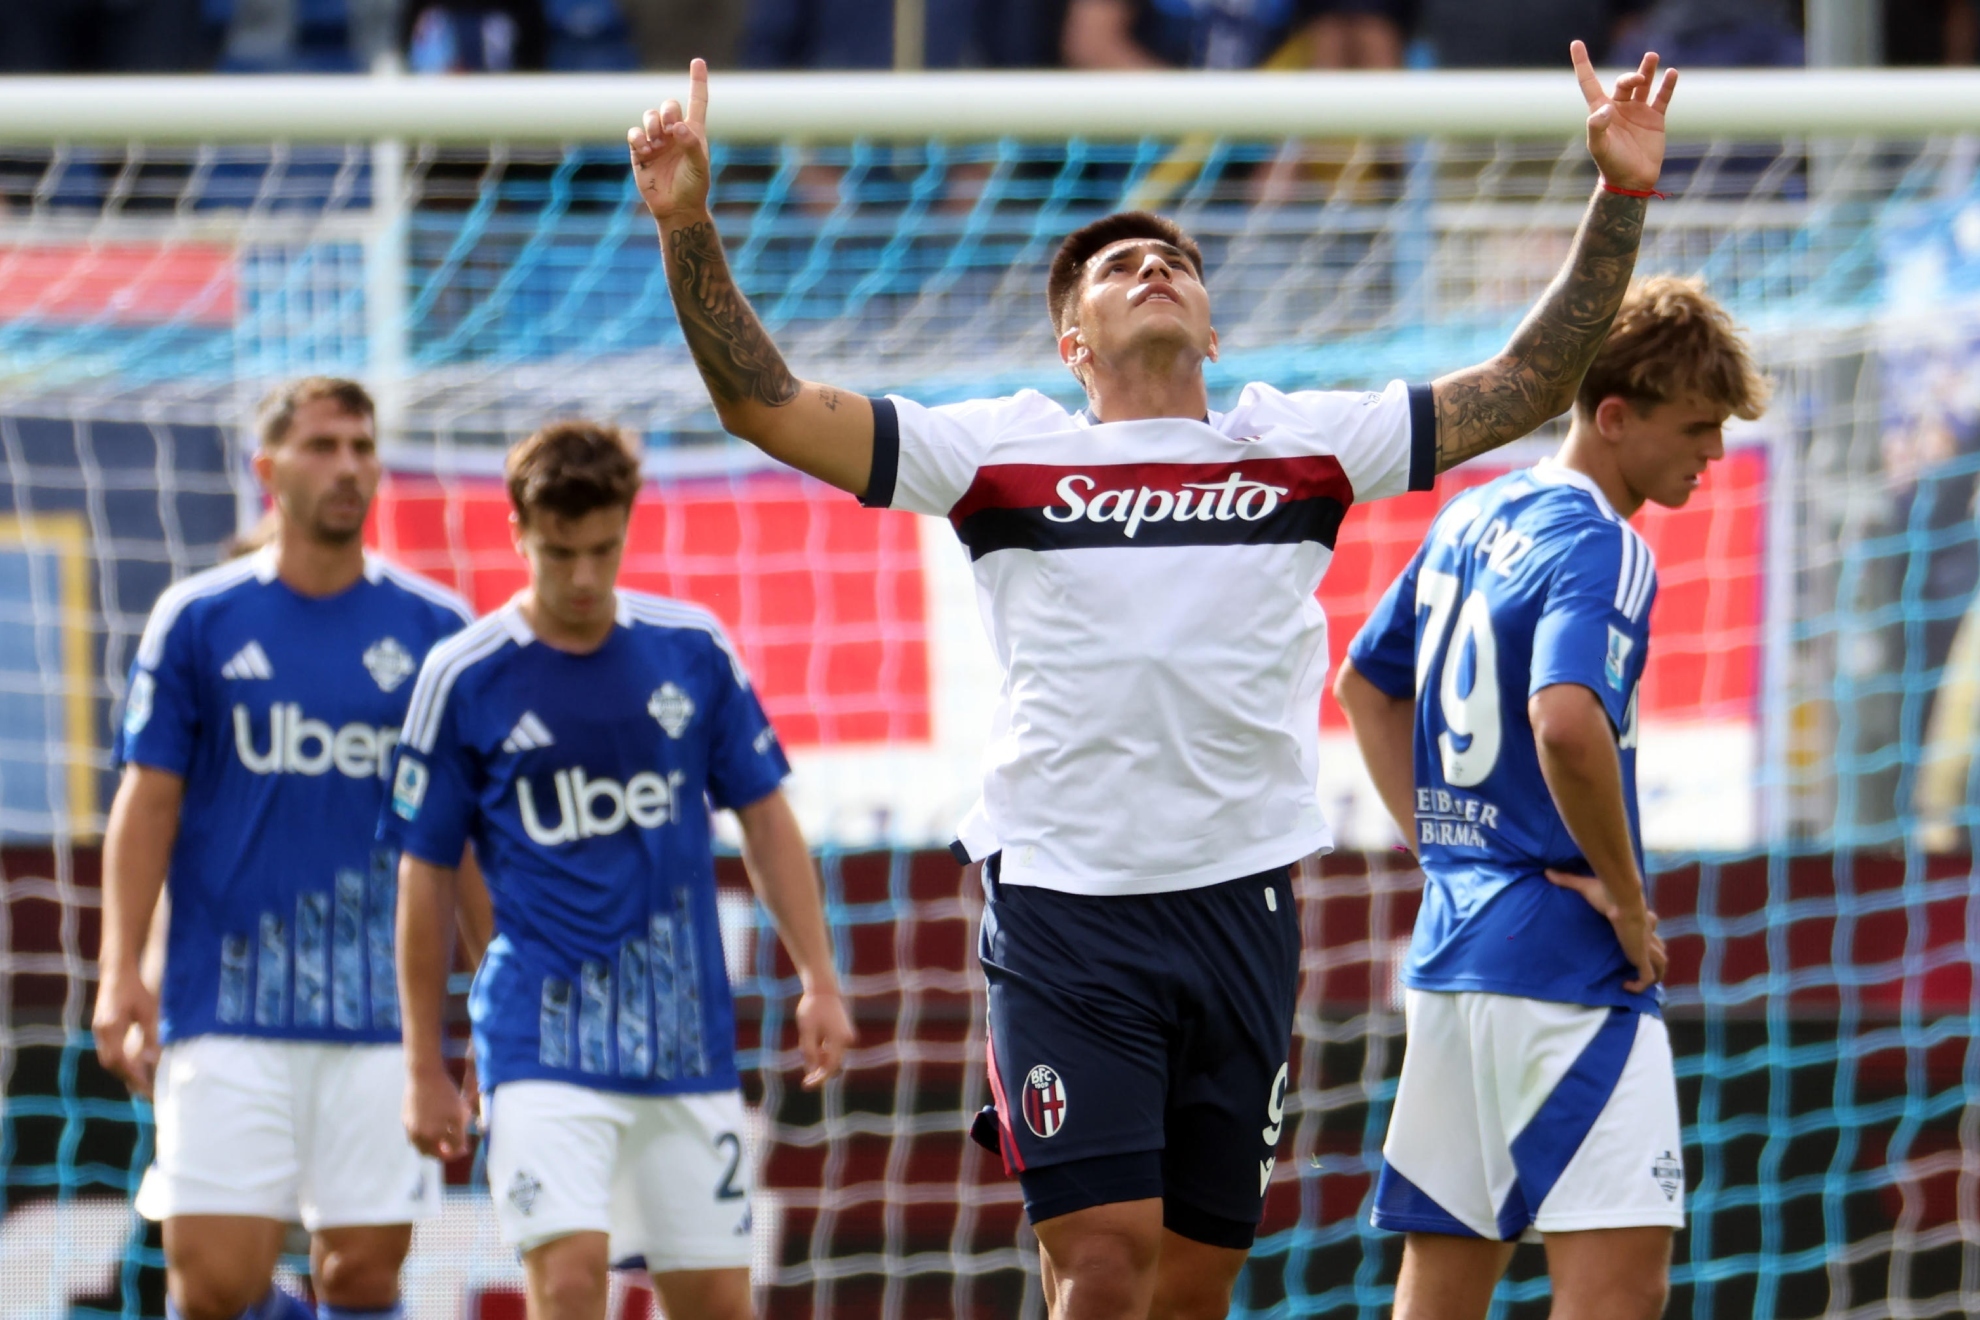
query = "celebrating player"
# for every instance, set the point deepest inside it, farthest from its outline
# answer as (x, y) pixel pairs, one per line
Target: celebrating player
(577, 735)
(1147, 570)
(1537, 1090)
(256, 744)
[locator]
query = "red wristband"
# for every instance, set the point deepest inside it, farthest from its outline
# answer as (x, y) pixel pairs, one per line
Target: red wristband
(1632, 192)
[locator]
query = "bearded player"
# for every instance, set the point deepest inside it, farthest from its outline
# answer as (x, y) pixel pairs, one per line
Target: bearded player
(1537, 1090)
(256, 744)
(1146, 568)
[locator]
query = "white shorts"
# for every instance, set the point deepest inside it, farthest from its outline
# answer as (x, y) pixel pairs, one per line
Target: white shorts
(667, 1177)
(288, 1130)
(1520, 1114)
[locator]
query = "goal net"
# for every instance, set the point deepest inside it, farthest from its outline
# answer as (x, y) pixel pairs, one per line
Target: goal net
(1808, 723)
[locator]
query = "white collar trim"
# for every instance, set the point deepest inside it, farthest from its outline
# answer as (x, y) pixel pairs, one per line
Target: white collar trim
(1553, 472)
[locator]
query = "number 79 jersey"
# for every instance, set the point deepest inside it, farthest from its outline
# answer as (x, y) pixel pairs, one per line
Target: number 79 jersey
(1530, 581)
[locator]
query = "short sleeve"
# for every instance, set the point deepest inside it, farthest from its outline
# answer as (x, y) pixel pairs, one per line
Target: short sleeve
(1386, 441)
(924, 459)
(745, 761)
(161, 710)
(1384, 651)
(430, 808)
(1594, 629)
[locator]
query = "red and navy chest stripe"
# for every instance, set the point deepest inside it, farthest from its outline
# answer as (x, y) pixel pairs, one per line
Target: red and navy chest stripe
(1261, 501)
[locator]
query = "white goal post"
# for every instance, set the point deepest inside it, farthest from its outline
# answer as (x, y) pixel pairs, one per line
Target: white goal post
(840, 107)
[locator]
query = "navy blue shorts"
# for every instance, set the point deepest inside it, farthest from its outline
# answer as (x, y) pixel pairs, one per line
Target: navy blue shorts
(1139, 1046)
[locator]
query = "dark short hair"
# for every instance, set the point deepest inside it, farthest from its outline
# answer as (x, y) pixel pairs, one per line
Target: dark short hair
(1063, 284)
(277, 412)
(572, 468)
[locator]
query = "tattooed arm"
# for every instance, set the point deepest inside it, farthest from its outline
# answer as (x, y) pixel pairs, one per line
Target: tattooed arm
(1535, 378)
(818, 429)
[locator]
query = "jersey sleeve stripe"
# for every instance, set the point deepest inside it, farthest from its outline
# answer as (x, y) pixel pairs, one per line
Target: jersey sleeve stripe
(427, 589)
(1422, 437)
(1626, 576)
(444, 666)
(661, 612)
(174, 599)
(885, 472)
(1646, 577)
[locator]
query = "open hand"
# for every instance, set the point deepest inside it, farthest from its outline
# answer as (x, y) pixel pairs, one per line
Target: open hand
(1636, 929)
(1626, 130)
(825, 1033)
(125, 1025)
(670, 152)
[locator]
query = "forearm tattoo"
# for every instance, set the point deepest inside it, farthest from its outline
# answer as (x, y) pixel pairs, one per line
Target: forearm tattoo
(737, 360)
(1536, 376)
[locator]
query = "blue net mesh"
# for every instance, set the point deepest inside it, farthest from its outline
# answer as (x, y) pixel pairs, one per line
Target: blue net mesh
(1822, 1004)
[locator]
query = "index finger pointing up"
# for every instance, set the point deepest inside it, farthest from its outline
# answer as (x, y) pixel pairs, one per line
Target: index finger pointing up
(697, 114)
(1584, 73)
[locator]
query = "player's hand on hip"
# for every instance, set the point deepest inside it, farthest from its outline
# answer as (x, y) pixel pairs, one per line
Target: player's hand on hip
(670, 152)
(1636, 928)
(436, 1114)
(125, 1025)
(825, 1033)
(1626, 127)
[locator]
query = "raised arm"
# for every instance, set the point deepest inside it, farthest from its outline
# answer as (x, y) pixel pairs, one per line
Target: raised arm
(819, 429)
(1534, 379)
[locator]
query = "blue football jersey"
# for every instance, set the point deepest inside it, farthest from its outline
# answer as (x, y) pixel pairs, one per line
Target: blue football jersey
(1526, 582)
(280, 711)
(585, 782)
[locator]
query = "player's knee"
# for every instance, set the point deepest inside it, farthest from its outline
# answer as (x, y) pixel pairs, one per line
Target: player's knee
(1104, 1273)
(207, 1295)
(360, 1278)
(569, 1288)
(1640, 1298)
(1192, 1299)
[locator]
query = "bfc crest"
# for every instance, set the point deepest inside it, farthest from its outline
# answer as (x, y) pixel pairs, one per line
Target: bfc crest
(1044, 1101)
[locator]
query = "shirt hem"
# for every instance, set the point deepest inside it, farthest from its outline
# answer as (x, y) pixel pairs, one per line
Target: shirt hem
(1283, 852)
(306, 1037)
(714, 1084)
(1512, 990)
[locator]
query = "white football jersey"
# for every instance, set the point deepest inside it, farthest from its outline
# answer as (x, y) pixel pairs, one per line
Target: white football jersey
(1148, 588)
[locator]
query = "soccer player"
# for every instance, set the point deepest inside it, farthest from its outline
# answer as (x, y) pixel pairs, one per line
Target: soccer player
(578, 736)
(1537, 1090)
(1147, 569)
(256, 744)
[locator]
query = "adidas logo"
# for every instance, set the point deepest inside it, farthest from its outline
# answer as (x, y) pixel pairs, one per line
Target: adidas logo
(528, 735)
(248, 662)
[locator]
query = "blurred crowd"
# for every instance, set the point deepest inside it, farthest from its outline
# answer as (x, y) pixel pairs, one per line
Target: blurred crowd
(465, 36)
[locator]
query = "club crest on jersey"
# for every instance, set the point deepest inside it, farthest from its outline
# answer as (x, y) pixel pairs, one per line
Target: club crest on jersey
(390, 664)
(1620, 645)
(1044, 1101)
(672, 707)
(1669, 1173)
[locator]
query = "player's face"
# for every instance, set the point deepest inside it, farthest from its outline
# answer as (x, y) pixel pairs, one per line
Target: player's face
(1663, 453)
(574, 563)
(1139, 294)
(324, 472)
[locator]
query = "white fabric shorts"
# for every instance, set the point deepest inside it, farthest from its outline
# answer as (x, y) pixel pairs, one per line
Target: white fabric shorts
(288, 1130)
(667, 1177)
(1520, 1114)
